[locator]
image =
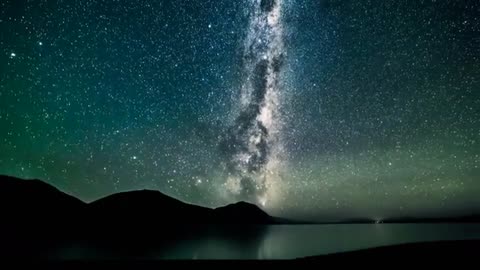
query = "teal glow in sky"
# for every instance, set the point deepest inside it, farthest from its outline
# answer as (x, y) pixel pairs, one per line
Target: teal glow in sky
(378, 102)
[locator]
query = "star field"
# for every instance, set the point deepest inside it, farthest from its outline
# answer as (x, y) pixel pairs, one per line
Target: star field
(379, 104)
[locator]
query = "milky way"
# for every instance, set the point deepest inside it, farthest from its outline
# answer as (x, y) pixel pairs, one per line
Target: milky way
(252, 143)
(313, 109)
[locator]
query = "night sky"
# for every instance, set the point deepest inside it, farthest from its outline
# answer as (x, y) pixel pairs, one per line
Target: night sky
(373, 109)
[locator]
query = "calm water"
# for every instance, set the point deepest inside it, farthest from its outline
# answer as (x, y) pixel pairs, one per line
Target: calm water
(294, 241)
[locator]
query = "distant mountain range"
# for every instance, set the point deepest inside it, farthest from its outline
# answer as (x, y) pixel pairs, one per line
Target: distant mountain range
(36, 202)
(458, 219)
(33, 205)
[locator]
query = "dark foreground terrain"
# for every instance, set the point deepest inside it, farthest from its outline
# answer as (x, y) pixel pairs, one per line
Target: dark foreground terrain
(449, 254)
(41, 224)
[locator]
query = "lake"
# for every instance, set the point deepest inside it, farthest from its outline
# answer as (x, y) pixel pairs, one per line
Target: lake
(288, 241)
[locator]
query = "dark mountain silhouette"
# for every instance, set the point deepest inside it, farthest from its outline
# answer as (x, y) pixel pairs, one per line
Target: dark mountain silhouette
(37, 217)
(33, 201)
(235, 213)
(148, 206)
(34, 196)
(26, 202)
(357, 221)
(26, 198)
(33, 207)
